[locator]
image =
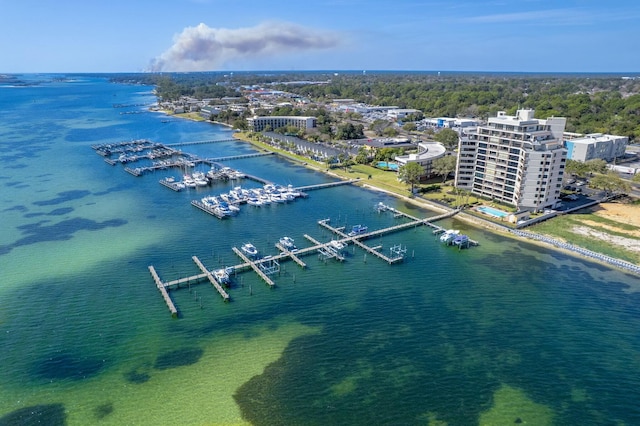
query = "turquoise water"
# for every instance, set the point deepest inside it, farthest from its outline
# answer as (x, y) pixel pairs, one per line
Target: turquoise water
(501, 332)
(493, 212)
(387, 165)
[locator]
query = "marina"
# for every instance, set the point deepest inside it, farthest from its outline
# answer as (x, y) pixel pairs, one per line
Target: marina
(333, 249)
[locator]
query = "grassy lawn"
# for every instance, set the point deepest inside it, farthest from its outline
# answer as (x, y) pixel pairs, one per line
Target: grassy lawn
(561, 227)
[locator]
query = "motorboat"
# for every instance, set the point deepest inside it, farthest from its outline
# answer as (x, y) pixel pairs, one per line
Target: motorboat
(358, 230)
(461, 240)
(288, 243)
(254, 201)
(336, 245)
(449, 235)
(249, 249)
(276, 197)
(200, 179)
(188, 181)
(222, 275)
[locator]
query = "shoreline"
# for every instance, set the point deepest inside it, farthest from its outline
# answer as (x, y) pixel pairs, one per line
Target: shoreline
(541, 240)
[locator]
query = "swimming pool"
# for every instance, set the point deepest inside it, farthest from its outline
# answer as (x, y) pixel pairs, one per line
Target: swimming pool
(492, 212)
(387, 165)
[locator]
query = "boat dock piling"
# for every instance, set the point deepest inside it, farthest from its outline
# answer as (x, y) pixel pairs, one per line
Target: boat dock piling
(325, 185)
(239, 156)
(270, 264)
(199, 204)
(216, 284)
(254, 266)
(170, 185)
(291, 255)
(355, 240)
(163, 291)
(201, 142)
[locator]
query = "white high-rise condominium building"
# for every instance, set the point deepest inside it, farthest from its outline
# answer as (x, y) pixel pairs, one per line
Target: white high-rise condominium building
(517, 160)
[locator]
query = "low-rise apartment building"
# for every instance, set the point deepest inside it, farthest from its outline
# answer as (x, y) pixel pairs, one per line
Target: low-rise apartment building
(258, 124)
(596, 146)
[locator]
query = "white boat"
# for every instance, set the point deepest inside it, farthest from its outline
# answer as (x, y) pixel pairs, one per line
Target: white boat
(222, 276)
(449, 235)
(276, 198)
(336, 245)
(254, 201)
(287, 242)
(200, 179)
(249, 249)
(188, 181)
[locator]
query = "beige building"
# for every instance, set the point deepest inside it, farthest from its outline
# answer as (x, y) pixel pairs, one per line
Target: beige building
(517, 160)
(258, 124)
(427, 152)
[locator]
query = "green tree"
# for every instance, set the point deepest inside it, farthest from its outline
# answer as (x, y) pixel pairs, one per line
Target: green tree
(610, 182)
(379, 126)
(443, 166)
(390, 132)
(363, 156)
(410, 173)
(447, 137)
(636, 178)
(597, 165)
(350, 131)
(240, 124)
(410, 127)
(576, 168)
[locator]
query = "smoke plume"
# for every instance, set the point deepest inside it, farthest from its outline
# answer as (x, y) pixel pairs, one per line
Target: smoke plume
(202, 48)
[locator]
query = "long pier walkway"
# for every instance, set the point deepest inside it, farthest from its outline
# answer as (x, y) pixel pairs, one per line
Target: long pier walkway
(239, 156)
(326, 185)
(214, 283)
(254, 266)
(201, 142)
(165, 295)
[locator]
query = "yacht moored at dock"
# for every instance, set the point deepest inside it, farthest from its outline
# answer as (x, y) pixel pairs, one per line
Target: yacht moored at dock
(449, 235)
(222, 276)
(288, 243)
(358, 230)
(249, 249)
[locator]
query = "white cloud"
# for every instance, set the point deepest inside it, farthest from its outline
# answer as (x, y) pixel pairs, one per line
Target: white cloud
(202, 48)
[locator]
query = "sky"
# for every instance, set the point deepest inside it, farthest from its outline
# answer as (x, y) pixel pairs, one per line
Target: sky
(252, 35)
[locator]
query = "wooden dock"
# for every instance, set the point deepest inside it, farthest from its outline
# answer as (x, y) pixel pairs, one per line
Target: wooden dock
(163, 291)
(355, 240)
(291, 255)
(199, 204)
(325, 185)
(254, 266)
(171, 185)
(214, 283)
(201, 142)
(325, 249)
(240, 156)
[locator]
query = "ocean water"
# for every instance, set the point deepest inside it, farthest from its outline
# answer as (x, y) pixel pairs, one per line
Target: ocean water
(502, 333)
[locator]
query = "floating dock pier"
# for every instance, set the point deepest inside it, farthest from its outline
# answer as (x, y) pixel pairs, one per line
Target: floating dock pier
(254, 266)
(214, 282)
(163, 291)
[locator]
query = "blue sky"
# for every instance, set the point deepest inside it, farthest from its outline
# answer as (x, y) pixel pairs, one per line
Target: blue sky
(199, 35)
